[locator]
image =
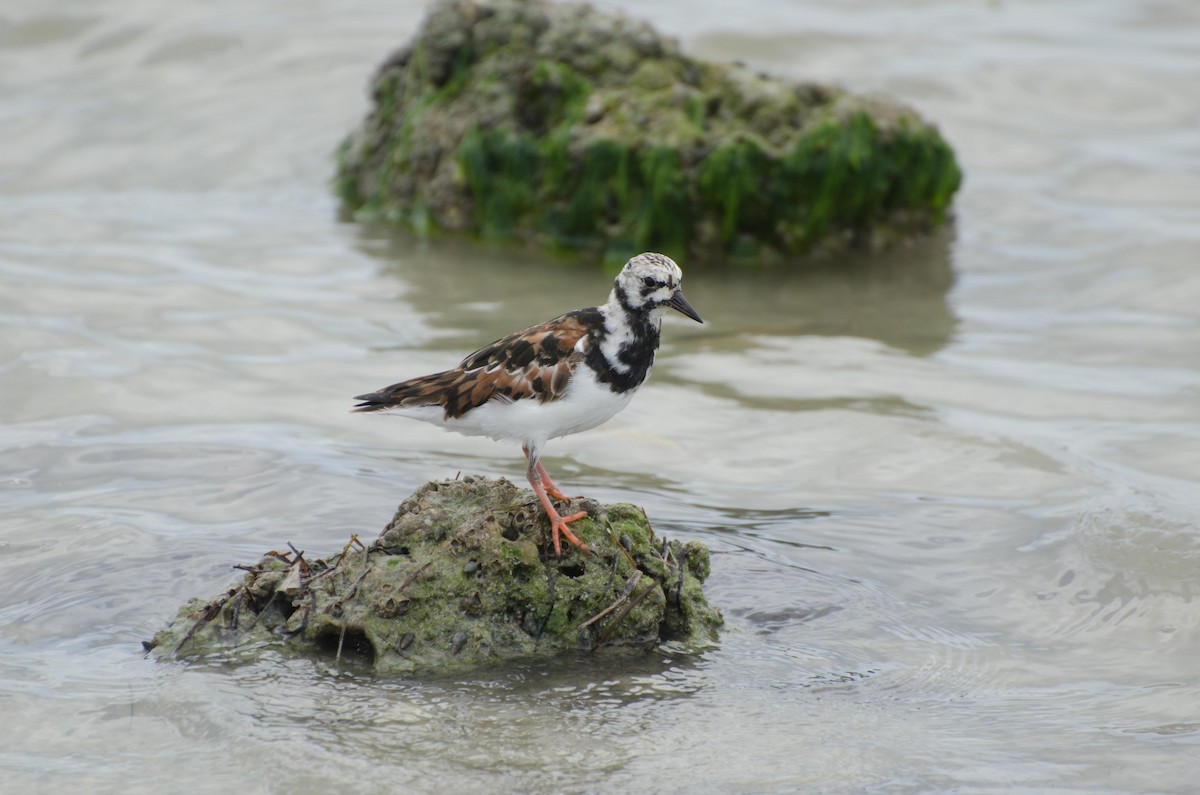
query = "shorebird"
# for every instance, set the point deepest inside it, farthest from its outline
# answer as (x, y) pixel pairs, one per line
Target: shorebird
(560, 377)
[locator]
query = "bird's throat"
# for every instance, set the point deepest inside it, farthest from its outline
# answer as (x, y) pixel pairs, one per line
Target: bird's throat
(625, 347)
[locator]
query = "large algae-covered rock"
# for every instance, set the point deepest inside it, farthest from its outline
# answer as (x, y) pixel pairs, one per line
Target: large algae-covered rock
(464, 574)
(578, 128)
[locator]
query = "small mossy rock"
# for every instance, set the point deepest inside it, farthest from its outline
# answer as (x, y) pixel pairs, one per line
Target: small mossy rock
(579, 128)
(464, 574)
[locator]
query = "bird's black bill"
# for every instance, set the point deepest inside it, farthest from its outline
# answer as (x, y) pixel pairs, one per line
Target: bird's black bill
(680, 304)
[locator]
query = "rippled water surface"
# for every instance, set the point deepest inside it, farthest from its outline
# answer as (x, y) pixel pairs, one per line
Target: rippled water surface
(952, 491)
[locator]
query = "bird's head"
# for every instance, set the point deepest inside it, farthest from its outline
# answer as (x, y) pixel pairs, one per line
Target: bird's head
(649, 283)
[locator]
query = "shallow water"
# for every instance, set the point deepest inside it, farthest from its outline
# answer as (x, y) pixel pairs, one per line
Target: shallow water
(951, 490)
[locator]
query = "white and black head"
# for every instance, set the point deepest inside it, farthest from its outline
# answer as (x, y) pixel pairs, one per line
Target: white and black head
(649, 284)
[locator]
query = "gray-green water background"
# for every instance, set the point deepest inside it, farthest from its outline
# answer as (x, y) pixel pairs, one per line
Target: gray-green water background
(953, 491)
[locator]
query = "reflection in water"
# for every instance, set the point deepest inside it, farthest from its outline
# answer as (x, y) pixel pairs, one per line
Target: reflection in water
(899, 297)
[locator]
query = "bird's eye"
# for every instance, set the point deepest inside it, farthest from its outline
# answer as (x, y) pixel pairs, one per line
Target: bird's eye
(649, 281)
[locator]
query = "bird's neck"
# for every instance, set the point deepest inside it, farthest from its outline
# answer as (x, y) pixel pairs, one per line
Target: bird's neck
(626, 342)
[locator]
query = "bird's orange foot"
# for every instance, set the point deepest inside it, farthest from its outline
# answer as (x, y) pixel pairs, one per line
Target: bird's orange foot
(551, 487)
(558, 525)
(555, 492)
(544, 488)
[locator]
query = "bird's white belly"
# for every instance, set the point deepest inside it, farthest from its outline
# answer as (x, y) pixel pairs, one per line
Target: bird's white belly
(586, 404)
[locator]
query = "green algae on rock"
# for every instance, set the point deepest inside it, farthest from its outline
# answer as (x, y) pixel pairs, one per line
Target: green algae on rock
(584, 129)
(462, 575)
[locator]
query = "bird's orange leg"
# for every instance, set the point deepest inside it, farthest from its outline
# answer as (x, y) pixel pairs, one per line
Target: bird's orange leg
(551, 488)
(558, 523)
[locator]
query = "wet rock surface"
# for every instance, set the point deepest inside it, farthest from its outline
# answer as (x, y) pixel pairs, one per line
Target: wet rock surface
(583, 129)
(462, 575)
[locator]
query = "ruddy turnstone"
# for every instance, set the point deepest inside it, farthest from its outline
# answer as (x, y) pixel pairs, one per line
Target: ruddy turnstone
(560, 377)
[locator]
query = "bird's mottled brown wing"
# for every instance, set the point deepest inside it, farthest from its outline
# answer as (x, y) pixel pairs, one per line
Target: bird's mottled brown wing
(536, 363)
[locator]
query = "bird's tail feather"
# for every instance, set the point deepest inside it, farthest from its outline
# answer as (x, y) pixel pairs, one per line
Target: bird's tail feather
(424, 391)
